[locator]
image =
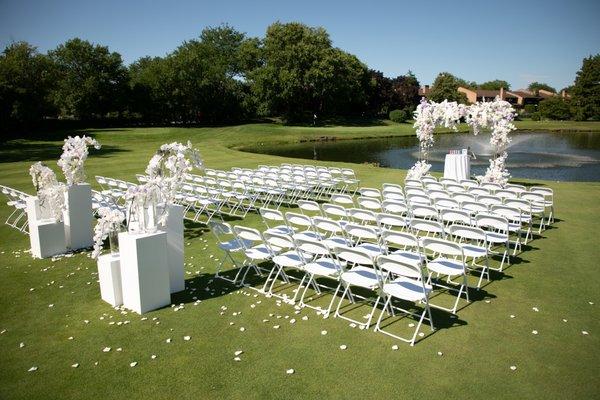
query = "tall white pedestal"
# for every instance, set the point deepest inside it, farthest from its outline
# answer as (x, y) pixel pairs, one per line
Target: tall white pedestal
(109, 274)
(174, 229)
(78, 216)
(35, 211)
(144, 271)
(47, 237)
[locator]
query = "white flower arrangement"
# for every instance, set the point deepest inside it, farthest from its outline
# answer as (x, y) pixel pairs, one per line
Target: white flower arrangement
(75, 152)
(496, 172)
(417, 171)
(497, 116)
(50, 192)
(110, 220)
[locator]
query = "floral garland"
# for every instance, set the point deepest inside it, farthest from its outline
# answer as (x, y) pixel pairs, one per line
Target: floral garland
(110, 220)
(75, 152)
(50, 192)
(497, 116)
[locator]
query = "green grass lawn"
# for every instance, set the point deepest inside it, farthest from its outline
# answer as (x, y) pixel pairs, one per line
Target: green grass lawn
(557, 274)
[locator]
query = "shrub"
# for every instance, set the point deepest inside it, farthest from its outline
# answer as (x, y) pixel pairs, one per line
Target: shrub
(399, 115)
(555, 108)
(536, 116)
(530, 108)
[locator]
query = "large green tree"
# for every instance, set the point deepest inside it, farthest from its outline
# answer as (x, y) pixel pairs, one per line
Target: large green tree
(387, 94)
(496, 84)
(536, 86)
(301, 74)
(445, 87)
(26, 79)
(586, 90)
(91, 80)
(555, 108)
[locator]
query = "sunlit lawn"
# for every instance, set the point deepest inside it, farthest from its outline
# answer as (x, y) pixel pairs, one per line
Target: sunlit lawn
(55, 310)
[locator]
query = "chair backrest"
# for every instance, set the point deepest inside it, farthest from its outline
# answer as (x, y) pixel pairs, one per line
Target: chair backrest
(362, 216)
(489, 200)
(427, 226)
(460, 197)
(354, 256)
(478, 191)
(392, 195)
(434, 186)
(424, 211)
(447, 180)
(452, 216)
(392, 187)
(313, 248)
(418, 199)
(391, 221)
(516, 188)
(469, 233)
(443, 247)
(246, 233)
(299, 220)
(412, 183)
(455, 187)
(523, 205)
(278, 241)
(468, 183)
(435, 194)
(328, 225)
(269, 214)
(342, 199)
(370, 192)
(309, 206)
(513, 214)
(494, 222)
(386, 264)
(361, 233)
(428, 178)
(534, 198)
(446, 203)
(400, 240)
(410, 190)
(369, 203)
(334, 210)
(474, 207)
(491, 186)
(506, 194)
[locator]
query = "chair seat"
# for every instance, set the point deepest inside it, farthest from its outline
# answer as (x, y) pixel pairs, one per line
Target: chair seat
(408, 257)
(361, 276)
(281, 230)
(235, 244)
(323, 266)
(289, 259)
(259, 252)
(446, 266)
(470, 250)
(493, 237)
(335, 241)
(372, 249)
(306, 235)
(407, 289)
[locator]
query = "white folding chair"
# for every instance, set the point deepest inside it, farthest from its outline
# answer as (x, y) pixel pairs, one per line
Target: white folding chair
(255, 250)
(453, 216)
(497, 234)
(310, 208)
(362, 274)
(365, 238)
(331, 232)
(403, 246)
(474, 244)
(275, 221)
(395, 207)
(229, 244)
(447, 260)
(286, 256)
(409, 285)
(302, 226)
(425, 227)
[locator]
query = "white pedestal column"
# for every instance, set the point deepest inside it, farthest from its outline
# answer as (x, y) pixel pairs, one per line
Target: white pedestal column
(174, 229)
(109, 274)
(144, 271)
(47, 237)
(78, 216)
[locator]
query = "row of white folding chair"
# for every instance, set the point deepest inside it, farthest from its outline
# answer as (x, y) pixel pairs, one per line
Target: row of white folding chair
(18, 201)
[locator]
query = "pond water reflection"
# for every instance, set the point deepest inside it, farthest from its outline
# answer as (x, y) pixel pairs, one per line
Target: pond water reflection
(534, 155)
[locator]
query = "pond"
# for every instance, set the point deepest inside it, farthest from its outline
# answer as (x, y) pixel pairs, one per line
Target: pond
(572, 156)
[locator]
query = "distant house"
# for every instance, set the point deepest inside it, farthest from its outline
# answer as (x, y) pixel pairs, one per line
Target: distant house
(518, 98)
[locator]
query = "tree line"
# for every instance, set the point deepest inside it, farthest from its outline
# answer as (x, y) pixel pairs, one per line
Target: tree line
(223, 76)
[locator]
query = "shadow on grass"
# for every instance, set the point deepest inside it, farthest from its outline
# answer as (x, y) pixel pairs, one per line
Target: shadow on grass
(24, 150)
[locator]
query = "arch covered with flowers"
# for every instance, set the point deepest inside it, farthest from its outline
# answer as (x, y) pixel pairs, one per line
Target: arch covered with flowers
(496, 116)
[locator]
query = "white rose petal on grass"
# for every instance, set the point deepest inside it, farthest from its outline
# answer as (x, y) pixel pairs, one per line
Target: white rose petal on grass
(106, 349)
(305, 318)
(186, 338)
(343, 347)
(275, 326)
(584, 332)
(242, 329)
(32, 369)
(290, 371)
(292, 321)
(153, 356)
(534, 332)
(76, 365)
(133, 364)
(323, 333)
(119, 349)
(21, 345)
(237, 353)
(168, 340)
(591, 303)
(513, 367)
(564, 320)
(512, 315)
(237, 359)
(535, 309)
(395, 347)
(439, 353)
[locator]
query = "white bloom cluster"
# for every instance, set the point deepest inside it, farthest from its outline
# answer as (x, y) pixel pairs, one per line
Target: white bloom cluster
(417, 171)
(496, 172)
(497, 116)
(109, 220)
(75, 152)
(430, 114)
(50, 192)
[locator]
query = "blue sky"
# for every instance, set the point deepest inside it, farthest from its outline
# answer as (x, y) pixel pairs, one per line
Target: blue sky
(519, 41)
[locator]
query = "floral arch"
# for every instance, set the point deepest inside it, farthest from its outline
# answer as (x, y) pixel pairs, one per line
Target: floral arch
(496, 116)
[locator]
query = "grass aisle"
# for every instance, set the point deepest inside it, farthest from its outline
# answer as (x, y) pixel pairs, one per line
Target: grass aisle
(54, 309)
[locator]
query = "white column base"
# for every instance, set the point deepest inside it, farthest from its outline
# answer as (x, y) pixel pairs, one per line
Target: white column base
(79, 216)
(109, 274)
(174, 229)
(144, 271)
(47, 237)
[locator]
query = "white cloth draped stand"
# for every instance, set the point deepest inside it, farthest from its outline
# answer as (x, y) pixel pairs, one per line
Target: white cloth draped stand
(457, 166)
